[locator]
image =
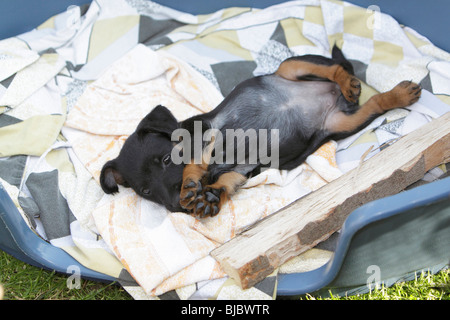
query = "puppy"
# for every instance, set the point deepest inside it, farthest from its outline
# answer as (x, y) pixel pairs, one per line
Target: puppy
(275, 120)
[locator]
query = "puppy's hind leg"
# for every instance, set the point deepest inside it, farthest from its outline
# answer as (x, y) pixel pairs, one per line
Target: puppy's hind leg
(300, 68)
(402, 95)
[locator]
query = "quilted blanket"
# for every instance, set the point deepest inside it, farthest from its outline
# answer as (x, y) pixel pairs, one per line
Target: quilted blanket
(73, 89)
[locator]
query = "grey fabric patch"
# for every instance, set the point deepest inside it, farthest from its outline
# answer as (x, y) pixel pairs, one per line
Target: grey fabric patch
(30, 208)
(126, 280)
(267, 285)
(6, 120)
(54, 211)
(6, 83)
(230, 74)
(11, 169)
(360, 69)
(279, 36)
(153, 31)
(426, 84)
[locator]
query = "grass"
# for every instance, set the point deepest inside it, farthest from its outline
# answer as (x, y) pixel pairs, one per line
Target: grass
(426, 286)
(24, 282)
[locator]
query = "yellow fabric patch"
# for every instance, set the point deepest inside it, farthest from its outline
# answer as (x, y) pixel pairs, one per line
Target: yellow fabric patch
(96, 259)
(314, 15)
(293, 33)
(50, 23)
(30, 137)
(59, 159)
(106, 32)
(366, 93)
(336, 39)
(190, 28)
(358, 22)
(416, 41)
(387, 53)
(443, 98)
(228, 40)
(367, 137)
(235, 11)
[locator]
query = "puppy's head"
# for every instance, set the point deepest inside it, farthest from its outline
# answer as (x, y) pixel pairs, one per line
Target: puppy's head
(144, 163)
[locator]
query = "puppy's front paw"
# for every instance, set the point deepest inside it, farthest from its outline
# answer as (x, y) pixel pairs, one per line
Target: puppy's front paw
(189, 192)
(209, 202)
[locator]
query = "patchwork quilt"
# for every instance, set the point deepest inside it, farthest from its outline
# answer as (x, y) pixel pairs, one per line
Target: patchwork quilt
(74, 88)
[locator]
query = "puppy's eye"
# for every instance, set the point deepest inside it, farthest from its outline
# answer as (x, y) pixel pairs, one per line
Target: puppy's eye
(167, 159)
(145, 192)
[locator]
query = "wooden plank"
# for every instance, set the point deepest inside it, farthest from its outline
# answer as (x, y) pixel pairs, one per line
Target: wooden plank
(254, 254)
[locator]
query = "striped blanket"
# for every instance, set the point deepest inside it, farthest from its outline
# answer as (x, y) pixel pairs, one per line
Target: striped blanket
(73, 89)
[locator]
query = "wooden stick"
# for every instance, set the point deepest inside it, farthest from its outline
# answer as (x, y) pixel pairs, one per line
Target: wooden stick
(254, 254)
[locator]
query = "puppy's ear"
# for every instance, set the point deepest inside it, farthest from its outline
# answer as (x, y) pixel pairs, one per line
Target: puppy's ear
(159, 120)
(110, 177)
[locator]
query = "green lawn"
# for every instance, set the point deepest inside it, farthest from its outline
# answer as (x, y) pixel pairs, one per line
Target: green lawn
(425, 287)
(24, 282)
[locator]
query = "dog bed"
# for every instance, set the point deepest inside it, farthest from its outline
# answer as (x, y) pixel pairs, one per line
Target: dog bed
(75, 87)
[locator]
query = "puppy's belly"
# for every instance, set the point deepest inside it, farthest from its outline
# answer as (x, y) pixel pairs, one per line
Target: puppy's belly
(276, 103)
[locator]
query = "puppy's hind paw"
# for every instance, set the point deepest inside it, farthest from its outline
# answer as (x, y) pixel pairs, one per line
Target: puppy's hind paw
(404, 94)
(350, 85)
(352, 89)
(412, 92)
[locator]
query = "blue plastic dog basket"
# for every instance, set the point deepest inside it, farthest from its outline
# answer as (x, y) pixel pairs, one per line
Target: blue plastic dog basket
(384, 241)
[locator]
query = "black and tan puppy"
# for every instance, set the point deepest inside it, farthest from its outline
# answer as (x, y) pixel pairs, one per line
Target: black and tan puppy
(276, 120)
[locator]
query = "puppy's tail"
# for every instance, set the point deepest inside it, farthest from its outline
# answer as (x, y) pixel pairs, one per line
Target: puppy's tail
(339, 58)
